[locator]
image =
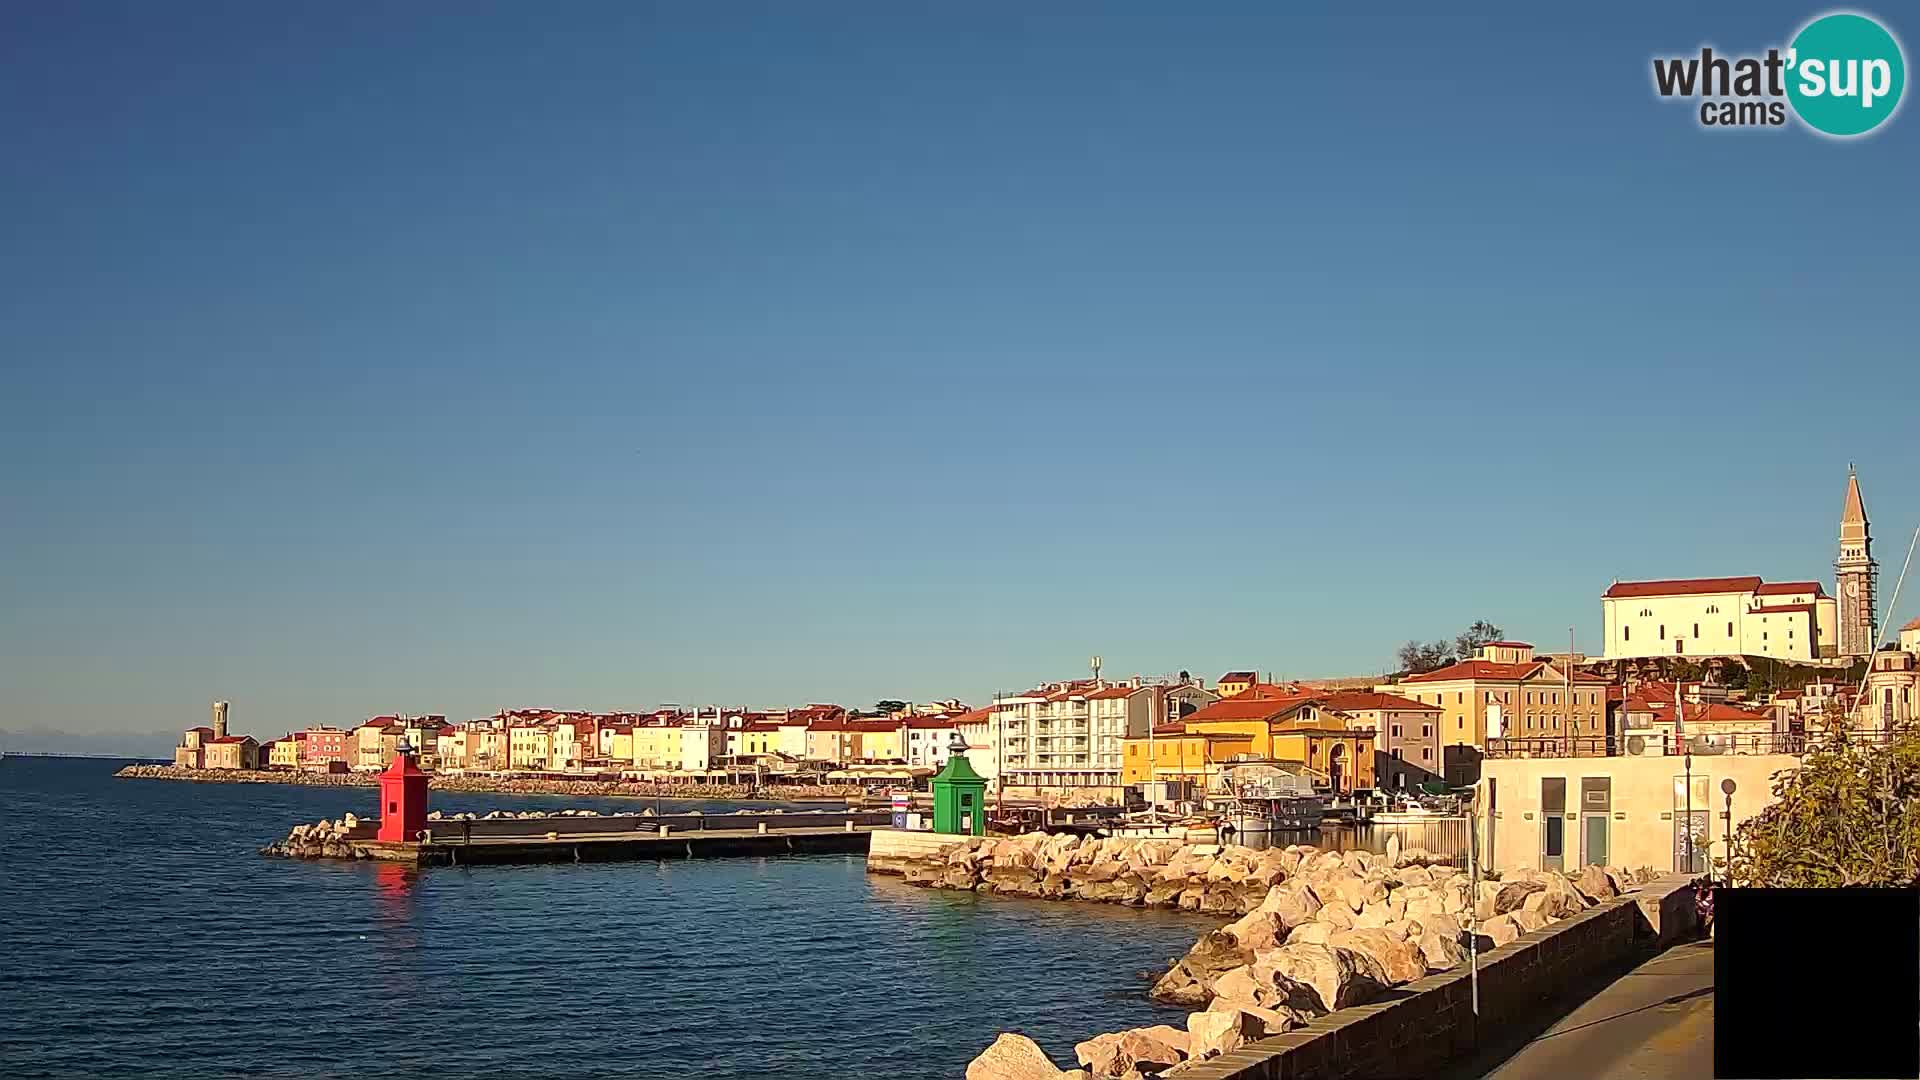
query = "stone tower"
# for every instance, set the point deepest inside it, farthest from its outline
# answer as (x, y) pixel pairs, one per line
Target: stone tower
(1856, 574)
(219, 719)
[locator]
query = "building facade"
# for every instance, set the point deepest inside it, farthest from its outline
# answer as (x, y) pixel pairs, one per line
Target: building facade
(1716, 617)
(1504, 692)
(1406, 736)
(323, 748)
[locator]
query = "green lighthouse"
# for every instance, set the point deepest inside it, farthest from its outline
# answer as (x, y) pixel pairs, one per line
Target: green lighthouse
(959, 794)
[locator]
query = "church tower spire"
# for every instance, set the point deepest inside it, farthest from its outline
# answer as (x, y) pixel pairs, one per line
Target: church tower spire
(1856, 574)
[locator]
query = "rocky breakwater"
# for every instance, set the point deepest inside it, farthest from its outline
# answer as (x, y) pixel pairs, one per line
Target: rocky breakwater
(1338, 929)
(342, 838)
(1158, 873)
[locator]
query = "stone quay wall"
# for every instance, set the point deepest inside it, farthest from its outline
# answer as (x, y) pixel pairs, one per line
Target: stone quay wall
(1433, 1022)
(500, 785)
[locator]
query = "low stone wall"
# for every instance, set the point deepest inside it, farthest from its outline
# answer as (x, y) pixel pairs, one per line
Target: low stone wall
(1432, 1023)
(894, 851)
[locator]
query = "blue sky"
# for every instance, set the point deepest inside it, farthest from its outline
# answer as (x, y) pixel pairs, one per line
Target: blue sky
(442, 357)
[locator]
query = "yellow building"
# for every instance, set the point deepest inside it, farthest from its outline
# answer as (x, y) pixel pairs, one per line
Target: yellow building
(1505, 693)
(657, 745)
(760, 737)
(1299, 728)
(374, 743)
(286, 752)
(881, 740)
(232, 752)
(1176, 754)
(529, 747)
(1235, 682)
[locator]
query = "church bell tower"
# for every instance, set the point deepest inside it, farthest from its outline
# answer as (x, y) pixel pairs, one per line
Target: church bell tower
(1855, 574)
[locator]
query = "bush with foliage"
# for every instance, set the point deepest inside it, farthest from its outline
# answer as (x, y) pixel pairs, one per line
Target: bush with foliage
(1849, 815)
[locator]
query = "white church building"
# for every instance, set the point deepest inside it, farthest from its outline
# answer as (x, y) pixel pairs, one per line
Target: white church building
(1745, 616)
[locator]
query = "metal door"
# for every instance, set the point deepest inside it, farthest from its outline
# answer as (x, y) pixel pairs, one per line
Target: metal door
(1596, 813)
(1553, 823)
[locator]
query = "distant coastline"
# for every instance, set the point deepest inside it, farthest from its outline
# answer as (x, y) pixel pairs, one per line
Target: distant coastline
(503, 785)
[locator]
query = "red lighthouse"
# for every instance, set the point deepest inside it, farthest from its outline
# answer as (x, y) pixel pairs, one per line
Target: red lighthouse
(403, 798)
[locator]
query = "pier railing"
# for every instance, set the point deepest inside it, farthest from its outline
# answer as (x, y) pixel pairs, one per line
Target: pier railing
(461, 830)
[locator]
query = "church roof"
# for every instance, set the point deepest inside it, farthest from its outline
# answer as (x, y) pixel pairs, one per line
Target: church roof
(1682, 586)
(1788, 588)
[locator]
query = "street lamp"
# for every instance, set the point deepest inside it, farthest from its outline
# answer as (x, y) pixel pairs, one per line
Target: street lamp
(1727, 787)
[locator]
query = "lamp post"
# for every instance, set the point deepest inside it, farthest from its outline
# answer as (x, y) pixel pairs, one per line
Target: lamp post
(1687, 826)
(1728, 787)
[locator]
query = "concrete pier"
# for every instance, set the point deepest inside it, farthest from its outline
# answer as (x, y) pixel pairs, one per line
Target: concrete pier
(626, 846)
(494, 841)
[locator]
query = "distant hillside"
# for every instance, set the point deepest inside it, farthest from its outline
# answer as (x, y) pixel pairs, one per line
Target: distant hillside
(133, 744)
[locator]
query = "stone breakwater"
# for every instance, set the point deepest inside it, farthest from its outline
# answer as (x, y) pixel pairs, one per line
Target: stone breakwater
(500, 785)
(1318, 931)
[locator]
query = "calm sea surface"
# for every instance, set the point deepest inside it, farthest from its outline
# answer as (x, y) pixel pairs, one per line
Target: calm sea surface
(140, 933)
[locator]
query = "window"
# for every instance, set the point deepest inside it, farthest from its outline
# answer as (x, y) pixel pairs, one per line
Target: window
(1663, 631)
(1396, 731)
(1729, 629)
(1626, 633)
(1696, 629)
(1426, 753)
(1712, 609)
(1460, 699)
(1396, 753)
(1426, 731)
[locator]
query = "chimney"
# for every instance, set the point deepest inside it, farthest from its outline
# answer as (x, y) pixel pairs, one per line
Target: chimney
(219, 719)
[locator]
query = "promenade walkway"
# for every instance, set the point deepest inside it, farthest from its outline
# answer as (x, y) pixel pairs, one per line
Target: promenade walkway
(1653, 1023)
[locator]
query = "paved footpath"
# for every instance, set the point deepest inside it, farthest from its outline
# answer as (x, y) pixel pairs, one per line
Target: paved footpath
(1653, 1023)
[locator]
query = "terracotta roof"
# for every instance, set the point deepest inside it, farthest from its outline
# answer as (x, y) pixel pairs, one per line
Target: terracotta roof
(1360, 700)
(1509, 644)
(1495, 671)
(763, 725)
(924, 723)
(1243, 707)
(1239, 676)
(208, 730)
(1479, 669)
(1682, 587)
(1717, 712)
(1276, 690)
(1914, 625)
(975, 717)
(1787, 588)
(1171, 727)
(233, 738)
(1111, 692)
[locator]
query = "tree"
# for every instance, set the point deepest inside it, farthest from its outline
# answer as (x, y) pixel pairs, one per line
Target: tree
(1849, 815)
(888, 706)
(1418, 657)
(1468, 641)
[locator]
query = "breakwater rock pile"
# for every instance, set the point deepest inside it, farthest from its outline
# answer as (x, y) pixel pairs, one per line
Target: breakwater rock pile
(1331, 930)
(324, 839)
(1139, 872)
(500, 785)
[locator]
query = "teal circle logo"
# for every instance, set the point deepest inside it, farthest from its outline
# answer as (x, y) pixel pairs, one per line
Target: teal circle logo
(1845, 74)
